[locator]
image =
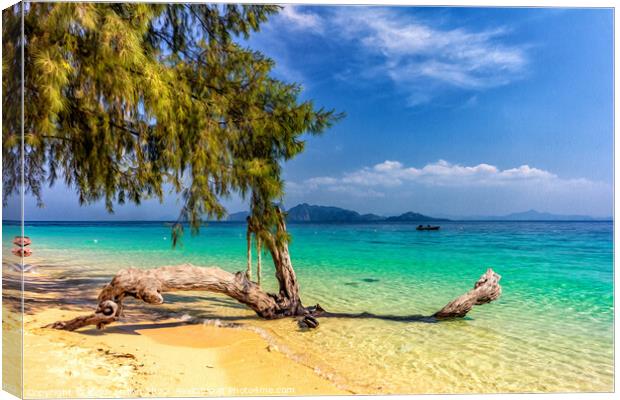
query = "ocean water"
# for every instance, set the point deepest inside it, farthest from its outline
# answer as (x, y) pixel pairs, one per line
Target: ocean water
(551, 331)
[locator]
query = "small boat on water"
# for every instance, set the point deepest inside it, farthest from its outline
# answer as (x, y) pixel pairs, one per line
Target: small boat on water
(22, 241)
(427, 228)
(22, 251)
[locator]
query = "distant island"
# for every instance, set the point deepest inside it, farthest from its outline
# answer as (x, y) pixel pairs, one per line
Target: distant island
(313, 213)
(533, 215)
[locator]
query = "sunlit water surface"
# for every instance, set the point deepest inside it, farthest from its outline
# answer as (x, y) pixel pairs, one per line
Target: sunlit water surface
(552, 329)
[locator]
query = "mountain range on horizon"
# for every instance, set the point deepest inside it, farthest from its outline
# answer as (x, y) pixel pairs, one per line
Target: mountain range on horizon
(328, 214)
(533, 215)
(314, 213)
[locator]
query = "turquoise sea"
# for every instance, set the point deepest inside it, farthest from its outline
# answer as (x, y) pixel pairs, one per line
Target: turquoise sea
(551, 331)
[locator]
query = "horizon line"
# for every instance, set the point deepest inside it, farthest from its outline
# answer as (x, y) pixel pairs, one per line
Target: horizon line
(594, 219)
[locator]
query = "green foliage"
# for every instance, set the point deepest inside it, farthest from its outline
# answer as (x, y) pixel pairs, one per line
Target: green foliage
(125, 100)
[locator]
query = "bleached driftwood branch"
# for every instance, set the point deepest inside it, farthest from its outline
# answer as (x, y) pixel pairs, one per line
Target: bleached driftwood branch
(485, 291)
(148, 286)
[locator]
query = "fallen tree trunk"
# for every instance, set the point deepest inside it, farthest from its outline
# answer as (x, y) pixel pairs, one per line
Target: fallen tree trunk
(148, 286)
(485, 291)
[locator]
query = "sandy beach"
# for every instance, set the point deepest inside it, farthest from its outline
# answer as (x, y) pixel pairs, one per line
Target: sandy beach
(199, 343)
(147, 354)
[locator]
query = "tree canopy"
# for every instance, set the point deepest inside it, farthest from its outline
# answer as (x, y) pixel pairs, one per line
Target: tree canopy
(125, 100)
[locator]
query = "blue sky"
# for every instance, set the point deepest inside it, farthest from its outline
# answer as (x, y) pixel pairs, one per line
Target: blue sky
(450, 111)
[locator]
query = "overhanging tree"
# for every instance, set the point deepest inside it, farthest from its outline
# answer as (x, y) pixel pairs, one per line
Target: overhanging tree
(123, 101)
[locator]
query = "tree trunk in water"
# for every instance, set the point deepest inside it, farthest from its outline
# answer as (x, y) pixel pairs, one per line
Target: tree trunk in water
(148, 285)
(485, 291)
(288, 295)
(258, 259)
(248, 238)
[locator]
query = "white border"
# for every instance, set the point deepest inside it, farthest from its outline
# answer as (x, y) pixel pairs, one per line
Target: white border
(540, 3)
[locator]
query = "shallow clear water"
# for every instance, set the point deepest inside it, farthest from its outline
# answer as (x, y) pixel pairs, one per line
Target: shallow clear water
(552, 329)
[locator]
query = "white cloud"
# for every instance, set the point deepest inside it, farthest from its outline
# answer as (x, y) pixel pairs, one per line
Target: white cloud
(421, 58)
(296, 19)
(444, 187)
(320, 181)
(441, 173)
(414, 50)
(279, 39)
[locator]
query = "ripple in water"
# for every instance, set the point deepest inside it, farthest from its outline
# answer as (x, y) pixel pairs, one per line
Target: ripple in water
(551, 331)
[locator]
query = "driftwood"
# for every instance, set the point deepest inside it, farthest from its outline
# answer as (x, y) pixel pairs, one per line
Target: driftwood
(148, 285)
(106, 313)
(485, 291)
